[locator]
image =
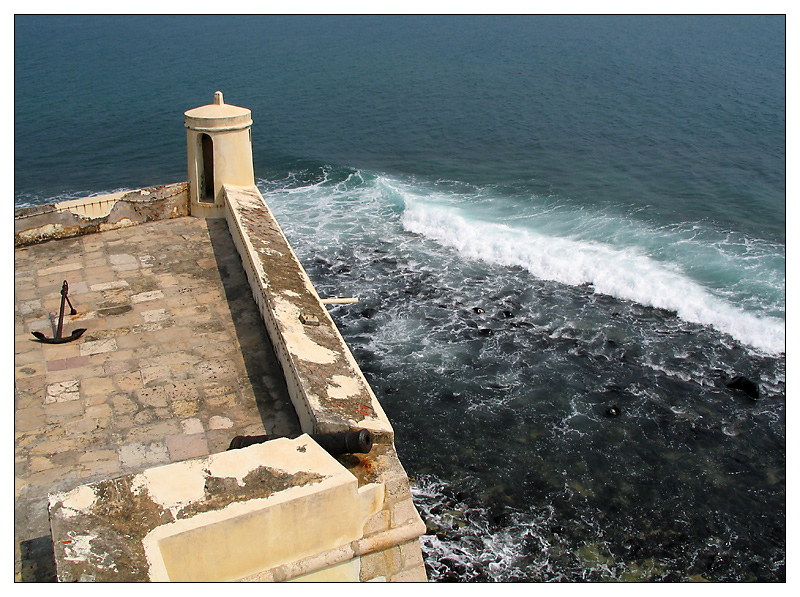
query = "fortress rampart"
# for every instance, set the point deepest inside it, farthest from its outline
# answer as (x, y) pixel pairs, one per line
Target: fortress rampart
(284, 509)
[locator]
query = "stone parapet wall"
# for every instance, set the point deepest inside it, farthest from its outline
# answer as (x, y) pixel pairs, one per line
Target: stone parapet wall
(281, 510)
(327, 387)
(389, 548)
(68, 219)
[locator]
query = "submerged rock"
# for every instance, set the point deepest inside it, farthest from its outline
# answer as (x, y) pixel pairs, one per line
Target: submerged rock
(451, 396)
(741, 383)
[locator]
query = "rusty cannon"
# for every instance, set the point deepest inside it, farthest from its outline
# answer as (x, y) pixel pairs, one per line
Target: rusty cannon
(345, 442)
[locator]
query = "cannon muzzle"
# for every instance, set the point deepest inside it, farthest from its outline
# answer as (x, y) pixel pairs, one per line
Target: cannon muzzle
(345, 442)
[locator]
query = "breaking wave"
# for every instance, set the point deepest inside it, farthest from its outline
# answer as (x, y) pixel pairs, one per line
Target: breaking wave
(637, 271)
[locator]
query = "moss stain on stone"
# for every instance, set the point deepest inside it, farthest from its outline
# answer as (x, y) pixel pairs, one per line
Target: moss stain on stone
(259, 483)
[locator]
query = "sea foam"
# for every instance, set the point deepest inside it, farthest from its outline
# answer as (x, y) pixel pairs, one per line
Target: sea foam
(625, 272)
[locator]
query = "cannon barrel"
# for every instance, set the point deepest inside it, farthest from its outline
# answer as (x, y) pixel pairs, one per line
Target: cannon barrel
(345, 442)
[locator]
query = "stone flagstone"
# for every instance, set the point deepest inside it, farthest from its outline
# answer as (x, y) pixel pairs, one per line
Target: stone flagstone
(84, 404)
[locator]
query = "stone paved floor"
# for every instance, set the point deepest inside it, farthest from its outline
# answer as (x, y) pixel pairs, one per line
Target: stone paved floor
(175, 362)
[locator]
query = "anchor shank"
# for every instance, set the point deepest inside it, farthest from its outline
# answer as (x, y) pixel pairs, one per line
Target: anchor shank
(61, 312)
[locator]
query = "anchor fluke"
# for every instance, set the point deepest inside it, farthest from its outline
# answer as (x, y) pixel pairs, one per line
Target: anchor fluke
(73, 336)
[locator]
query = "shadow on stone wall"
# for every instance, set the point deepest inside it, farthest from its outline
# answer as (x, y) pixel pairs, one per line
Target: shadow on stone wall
(38, 560)
(263, 368)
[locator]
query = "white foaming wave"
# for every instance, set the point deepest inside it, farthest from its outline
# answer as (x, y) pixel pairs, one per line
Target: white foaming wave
(625, 273)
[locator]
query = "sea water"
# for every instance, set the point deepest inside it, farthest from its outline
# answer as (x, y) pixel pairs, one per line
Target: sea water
(567, 236)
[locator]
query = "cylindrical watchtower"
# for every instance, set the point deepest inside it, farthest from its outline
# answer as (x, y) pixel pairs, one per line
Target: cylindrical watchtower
(220, 151)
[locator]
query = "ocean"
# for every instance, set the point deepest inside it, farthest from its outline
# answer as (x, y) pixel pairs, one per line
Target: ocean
(567, 235)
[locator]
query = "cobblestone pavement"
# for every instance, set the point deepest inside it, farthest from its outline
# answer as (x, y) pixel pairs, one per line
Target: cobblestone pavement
(174, 363)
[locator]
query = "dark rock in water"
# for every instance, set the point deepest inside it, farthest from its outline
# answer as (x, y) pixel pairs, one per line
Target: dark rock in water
(391, 390)
(454, 565)
(451, 396)
(521, 324)
(480, 572)
(506, 314)
(431, 528)
(741, 383)
(478, 310)
(613, 411)
(369, 312)
(498, 514)
(486, 331)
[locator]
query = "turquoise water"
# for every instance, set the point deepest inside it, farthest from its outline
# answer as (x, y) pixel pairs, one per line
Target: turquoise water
(544, 217)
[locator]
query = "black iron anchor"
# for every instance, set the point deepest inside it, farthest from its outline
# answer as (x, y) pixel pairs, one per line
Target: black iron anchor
(59, 339)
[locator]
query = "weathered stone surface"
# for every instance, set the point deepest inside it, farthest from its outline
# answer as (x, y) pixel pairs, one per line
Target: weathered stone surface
(92, 407)
(102, 531)
(416, 574)
(137, 455)
(120, 210)
(63, 391)
(328, 390)
(175, 363)
(184, 447)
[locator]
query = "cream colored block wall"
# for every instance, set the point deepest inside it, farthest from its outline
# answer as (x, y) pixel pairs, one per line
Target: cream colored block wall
(277, 511)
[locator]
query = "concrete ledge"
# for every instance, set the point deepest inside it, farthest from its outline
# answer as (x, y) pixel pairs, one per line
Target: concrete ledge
(328, 389)
(67, 219)
(284, 508)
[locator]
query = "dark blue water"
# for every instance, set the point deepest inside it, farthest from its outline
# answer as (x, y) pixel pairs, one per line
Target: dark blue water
(567, 233)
